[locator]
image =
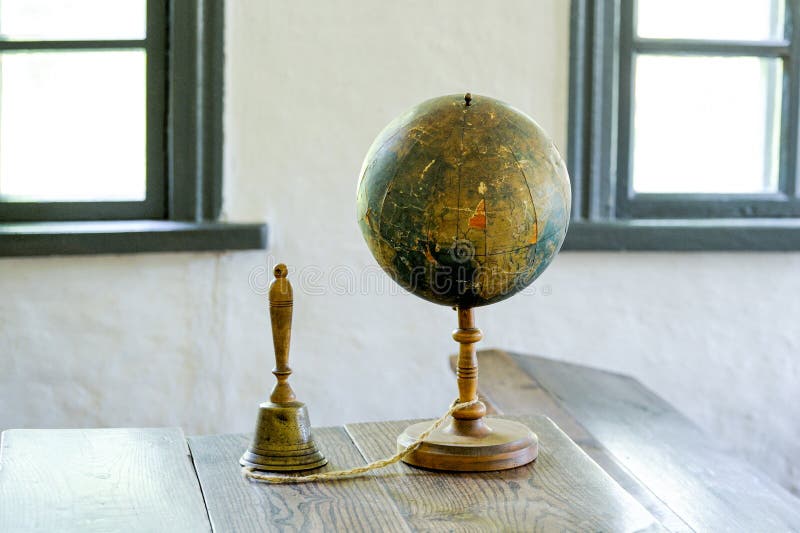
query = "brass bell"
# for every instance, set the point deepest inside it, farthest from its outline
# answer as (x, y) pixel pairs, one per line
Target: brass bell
(282, 439)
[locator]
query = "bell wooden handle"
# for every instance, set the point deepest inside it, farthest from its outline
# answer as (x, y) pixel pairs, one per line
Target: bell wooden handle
(280, 314)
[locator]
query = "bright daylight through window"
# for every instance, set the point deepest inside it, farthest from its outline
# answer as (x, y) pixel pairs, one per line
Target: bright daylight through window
(704, 123)
(72, 120)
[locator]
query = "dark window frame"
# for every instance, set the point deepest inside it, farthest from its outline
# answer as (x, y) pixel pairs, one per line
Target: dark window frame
(606, 212)
(185, 80)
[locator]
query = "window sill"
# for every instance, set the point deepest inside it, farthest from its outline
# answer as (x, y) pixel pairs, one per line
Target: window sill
(129, 236)
(685, 235)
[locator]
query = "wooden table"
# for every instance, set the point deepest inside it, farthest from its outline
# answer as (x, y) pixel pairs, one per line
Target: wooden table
(656, 471)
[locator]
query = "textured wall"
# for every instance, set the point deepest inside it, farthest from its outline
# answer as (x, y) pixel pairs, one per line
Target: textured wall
(182, 339)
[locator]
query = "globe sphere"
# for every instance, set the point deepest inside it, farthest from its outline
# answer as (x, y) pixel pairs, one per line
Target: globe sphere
(463, 200)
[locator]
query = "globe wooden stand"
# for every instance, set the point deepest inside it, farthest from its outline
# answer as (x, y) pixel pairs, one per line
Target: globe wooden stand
(470, 442)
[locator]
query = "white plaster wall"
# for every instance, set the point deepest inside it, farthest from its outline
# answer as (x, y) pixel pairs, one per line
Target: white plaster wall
(183, 339)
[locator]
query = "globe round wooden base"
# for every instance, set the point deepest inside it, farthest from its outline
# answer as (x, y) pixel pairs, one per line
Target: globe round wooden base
(503, 445)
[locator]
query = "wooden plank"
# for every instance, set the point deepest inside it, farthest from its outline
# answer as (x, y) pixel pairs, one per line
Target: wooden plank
(708, 488)
(98, 480)
(563, 490)
(513, 391)
(236, 504)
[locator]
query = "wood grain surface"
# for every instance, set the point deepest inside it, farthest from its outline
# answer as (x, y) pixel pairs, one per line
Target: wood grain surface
(668, 473)
(236, 504)
(88, 480)
(563, 490)
(689, 471)
(508, 389)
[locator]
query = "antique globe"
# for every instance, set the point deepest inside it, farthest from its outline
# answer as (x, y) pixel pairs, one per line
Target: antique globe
(464, 201)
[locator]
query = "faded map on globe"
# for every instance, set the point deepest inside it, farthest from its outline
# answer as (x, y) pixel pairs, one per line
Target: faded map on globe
(463, 201)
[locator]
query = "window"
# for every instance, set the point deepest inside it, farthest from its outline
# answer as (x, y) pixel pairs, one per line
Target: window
(77, 81)
(112, 111)
(683, 124)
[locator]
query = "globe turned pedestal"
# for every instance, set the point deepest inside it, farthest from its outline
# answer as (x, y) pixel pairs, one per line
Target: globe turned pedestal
(470, 442)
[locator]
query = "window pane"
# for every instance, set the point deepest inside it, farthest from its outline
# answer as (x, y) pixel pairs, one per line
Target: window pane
(706, 124)
(710, 19)
(72, 19)
(72, 126)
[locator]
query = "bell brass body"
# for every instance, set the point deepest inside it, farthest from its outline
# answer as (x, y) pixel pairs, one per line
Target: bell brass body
(282, 440)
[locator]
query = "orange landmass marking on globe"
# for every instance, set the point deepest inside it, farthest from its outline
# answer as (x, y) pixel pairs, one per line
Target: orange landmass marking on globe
(478, 219)
(429, 255)
(535, 237)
